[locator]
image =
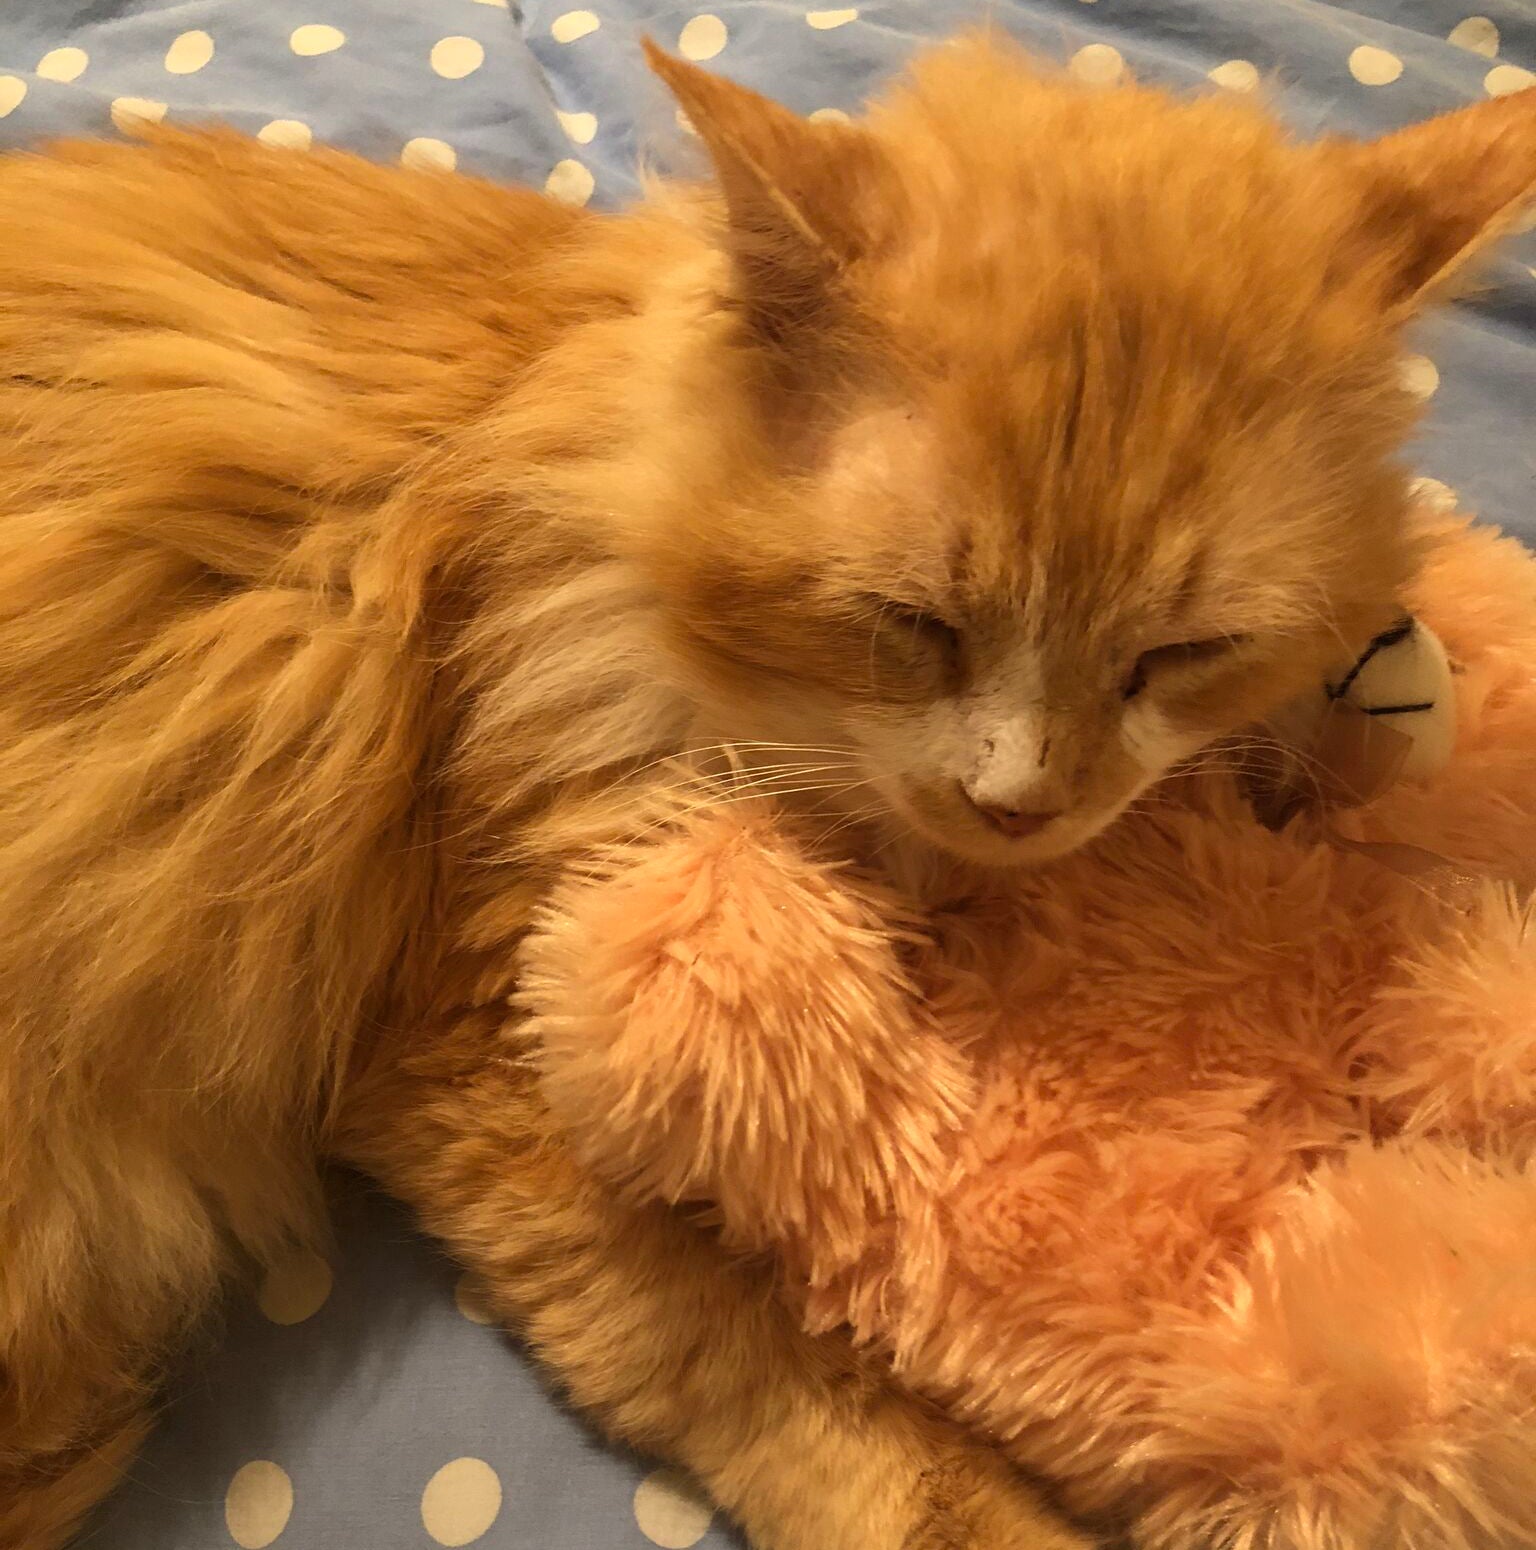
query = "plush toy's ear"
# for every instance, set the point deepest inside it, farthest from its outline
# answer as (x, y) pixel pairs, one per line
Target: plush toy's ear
(1439, 193)
(796, 194)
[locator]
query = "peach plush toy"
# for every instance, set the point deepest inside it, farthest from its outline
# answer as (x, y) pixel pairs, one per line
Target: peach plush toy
(1196, 1169)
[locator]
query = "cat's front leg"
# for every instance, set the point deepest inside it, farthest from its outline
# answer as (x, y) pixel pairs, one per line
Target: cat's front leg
(669, 1344)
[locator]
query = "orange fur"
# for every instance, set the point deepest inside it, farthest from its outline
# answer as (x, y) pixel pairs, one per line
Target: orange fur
(370, 539)
(1198, 1168)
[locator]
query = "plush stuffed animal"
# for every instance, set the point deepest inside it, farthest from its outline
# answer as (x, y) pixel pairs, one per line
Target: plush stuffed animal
(1196, 1168)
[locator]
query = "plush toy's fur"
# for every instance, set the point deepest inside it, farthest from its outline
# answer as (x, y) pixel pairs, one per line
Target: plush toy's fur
(1198, 1167)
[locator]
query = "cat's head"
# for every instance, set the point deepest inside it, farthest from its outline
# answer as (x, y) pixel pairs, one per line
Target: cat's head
(1067, 428)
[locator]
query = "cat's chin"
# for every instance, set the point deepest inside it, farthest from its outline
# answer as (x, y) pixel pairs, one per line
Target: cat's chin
(961, 840)
(999, 852)
(933, 869)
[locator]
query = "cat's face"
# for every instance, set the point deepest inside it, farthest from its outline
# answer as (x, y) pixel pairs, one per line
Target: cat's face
(1000, 654)
(1074, 448)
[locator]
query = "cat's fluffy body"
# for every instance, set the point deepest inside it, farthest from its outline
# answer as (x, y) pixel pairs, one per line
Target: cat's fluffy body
(364, 532)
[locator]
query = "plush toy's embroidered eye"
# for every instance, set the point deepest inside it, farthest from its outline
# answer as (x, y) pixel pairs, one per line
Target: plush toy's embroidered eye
(1185, 653)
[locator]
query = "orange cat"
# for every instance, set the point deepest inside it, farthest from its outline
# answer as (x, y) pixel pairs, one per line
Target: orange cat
(372, 540)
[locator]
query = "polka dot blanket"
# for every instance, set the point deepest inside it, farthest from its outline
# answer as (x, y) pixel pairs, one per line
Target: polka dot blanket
(362, 1404)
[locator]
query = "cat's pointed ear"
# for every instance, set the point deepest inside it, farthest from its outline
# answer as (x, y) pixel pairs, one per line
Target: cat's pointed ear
(795, 190)
(1440, 193)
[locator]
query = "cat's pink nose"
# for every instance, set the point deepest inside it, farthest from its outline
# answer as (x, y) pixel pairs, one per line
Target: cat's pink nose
(1015, 822)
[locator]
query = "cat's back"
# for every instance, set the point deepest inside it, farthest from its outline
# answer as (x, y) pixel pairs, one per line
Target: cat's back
(365, 279)
(236, 384)
(220, 360)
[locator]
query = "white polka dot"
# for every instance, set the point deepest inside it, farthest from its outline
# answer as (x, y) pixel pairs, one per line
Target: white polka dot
(702, 38)
(63, 64)
(128, 111)
(258, 1504)
(1373, 66)
(426, 154)
(824, 21)
(316, 38)
(1433, 493)
(296, 1289)
(454, 58)
(189, 53)
(289, 133)
(1098, 64)
(1235, 75)
(570, 181)
(1419, 375)
(1504, 79)
(671, 1511)
(1477, 34)
(830, 116)
(461, 1501)
(469, 1298)
(13, 92)
(573, 25)
(579, 126)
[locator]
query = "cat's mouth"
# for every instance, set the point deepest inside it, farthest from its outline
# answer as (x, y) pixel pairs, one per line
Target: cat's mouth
(945, 818)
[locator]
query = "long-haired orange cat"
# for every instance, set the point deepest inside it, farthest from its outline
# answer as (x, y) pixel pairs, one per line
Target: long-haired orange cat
(371, 539)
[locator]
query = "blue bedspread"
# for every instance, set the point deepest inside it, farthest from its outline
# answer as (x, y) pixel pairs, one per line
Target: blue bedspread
(360, 1406)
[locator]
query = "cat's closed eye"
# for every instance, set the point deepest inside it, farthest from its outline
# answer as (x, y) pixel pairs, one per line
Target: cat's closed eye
(1187, 653)
(919, 627)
